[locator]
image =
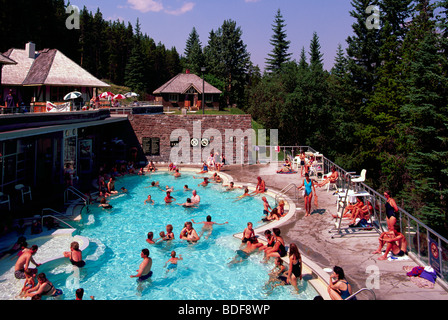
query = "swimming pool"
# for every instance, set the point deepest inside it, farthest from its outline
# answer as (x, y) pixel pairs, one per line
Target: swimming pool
(118, 235)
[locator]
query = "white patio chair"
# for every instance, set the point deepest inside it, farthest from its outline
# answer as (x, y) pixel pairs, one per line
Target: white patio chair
(361, 178)
(24, 191)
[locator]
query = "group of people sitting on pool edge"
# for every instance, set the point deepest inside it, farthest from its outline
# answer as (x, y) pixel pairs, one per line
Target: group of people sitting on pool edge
(43, 287)
(275, 247)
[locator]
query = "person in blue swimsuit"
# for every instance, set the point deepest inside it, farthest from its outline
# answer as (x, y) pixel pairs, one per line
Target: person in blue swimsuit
(172, 262)
(339, 288)
(308, 184)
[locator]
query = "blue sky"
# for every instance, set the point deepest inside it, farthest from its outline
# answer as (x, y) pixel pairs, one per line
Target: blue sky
(171, 21)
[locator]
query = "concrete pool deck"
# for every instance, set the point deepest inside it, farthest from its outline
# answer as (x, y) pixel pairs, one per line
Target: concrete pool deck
(353, 253)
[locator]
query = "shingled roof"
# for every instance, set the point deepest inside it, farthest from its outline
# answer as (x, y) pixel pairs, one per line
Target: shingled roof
(183, 82)
(49, 67)
(6, 60)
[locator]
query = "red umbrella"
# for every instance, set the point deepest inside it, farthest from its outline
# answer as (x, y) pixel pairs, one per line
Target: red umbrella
(119, 97)
(106, 95)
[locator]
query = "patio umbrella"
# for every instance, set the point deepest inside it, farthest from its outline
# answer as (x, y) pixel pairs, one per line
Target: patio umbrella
(72, 95)
(106, 95)
(119, 97)
(131, 95)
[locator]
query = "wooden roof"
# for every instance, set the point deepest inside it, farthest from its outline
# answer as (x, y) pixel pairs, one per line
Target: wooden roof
(182, 83)
(49, 67)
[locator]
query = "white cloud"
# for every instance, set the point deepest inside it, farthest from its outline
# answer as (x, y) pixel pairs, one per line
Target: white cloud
(146, 5)
(184, 9)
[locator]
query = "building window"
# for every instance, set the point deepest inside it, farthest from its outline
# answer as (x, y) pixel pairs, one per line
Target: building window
(173, 97)
(208, 98)
(151, 146)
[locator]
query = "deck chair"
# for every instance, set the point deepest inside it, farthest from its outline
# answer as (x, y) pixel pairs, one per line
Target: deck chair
(333, 185)
(24, 191)
(361, 178)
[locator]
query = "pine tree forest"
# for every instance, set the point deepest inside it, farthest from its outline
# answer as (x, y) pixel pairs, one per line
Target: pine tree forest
(382, 107)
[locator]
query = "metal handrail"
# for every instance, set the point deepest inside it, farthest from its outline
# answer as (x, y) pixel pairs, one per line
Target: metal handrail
(359, 291)
(285, 190)
(421, 229)
(54, 217)
(77, 193)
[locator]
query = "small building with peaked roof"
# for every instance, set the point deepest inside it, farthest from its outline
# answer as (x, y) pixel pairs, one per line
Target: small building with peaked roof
(46, 75)
(185, 91)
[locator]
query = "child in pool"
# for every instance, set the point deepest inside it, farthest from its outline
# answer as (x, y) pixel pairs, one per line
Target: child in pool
(172, 261)
(277, 276)
(169, 233)
(30, 282)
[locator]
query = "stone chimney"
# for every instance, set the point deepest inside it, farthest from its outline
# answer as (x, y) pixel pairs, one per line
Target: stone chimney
(30, 48)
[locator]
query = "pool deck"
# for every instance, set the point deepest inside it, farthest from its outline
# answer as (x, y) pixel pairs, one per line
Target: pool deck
(352, 252)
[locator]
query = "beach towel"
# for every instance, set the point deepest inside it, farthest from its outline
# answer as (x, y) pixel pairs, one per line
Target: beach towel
(290, 172)
(392, 257)
(415, 271)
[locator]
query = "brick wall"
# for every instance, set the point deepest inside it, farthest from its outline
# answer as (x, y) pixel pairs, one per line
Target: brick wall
(162, 126)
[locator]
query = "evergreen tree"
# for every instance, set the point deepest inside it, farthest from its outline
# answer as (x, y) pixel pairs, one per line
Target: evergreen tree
(363, 52)
(194, 57)
(425, 124)
(233, 61)
(280, 53)
(135, 69)
(380, 133)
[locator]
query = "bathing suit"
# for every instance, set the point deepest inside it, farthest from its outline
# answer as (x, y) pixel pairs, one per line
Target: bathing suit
(400, 254)
(145, 277)
(345, 294)
(296, 269)
(79, 264)
(242, 254)
(20, 274)
(282, 250)
(308, 189)
(57, 292)
(266, 212)
(282, 278)
(172, 266)
(390, 211)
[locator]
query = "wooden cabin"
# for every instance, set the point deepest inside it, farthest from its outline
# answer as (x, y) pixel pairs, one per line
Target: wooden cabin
(185, 91)
(46, 75)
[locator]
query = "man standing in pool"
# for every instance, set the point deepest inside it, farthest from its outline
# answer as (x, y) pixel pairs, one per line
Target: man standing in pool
(144, 272)
(208, 226)
(195, 197)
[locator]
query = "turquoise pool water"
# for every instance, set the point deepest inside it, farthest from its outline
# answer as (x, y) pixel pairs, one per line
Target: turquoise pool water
(118, 235)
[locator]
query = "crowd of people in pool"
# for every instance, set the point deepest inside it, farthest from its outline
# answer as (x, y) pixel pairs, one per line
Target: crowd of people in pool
(275, 246)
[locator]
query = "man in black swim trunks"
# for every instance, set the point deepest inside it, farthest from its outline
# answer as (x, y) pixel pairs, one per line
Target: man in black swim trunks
(144, 272)
(395, 242)
(23, 263)
(241, 255)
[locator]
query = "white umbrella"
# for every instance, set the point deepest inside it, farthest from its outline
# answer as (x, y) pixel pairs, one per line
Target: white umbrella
(131, 95)
(72, 95)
